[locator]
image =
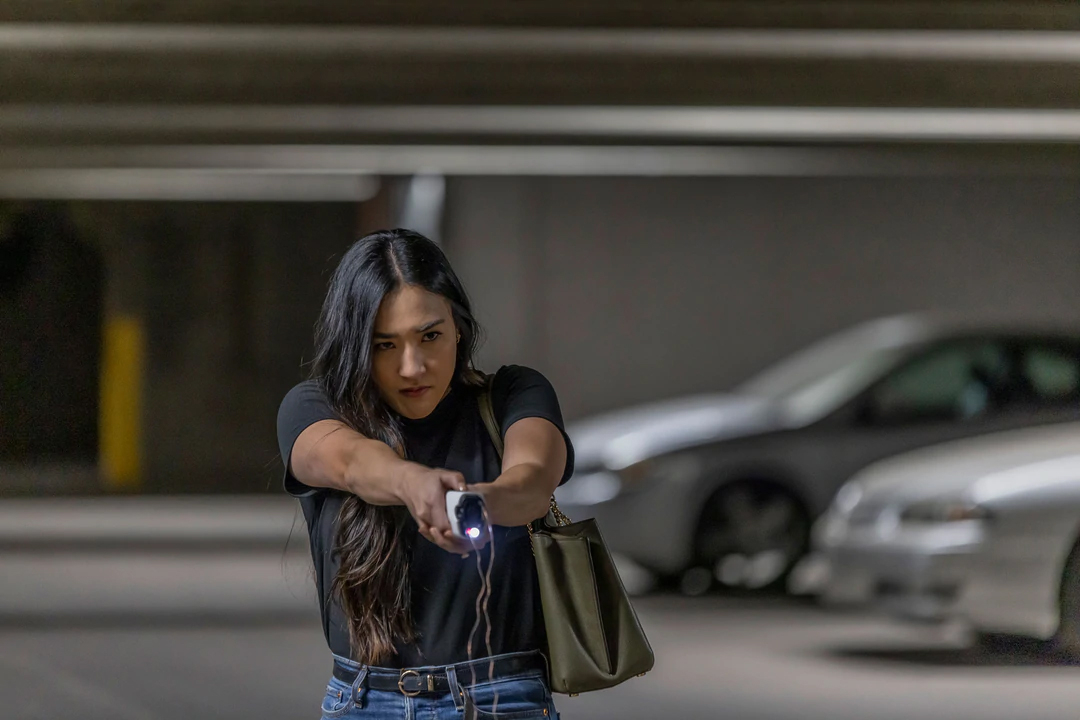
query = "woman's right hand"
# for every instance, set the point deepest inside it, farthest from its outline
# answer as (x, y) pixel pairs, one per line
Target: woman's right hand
(423, 491)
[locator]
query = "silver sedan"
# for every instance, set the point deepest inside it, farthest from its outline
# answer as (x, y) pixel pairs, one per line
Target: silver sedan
(985, 531)
(723, 488)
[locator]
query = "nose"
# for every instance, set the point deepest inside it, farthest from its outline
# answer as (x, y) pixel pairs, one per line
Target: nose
(412, 363)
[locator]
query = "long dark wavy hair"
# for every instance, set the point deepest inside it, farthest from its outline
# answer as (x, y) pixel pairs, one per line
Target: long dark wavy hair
(372, 583)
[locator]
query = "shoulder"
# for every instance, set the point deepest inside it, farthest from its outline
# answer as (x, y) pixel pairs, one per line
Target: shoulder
(303, 405)
(509, 376)
(304, 389)
(518, 391)
(512, 378)
(305, 396)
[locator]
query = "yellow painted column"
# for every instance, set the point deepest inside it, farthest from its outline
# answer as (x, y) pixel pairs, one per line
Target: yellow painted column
(120, 419)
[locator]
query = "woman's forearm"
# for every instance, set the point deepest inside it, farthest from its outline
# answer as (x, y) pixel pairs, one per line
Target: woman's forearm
(329, 454)
(518, 496)
(374, 472)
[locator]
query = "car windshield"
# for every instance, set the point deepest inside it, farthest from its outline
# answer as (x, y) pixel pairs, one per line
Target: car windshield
(819, 378)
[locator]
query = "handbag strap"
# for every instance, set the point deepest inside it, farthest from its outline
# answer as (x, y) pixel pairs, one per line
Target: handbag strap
(487, 413)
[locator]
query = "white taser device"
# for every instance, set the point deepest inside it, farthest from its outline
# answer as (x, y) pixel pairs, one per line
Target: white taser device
(465, 510)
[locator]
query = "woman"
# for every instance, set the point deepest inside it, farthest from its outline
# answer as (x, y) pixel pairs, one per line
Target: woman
(388, 423)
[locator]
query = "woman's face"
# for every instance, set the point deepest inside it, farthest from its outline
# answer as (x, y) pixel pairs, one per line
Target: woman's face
(414, 350)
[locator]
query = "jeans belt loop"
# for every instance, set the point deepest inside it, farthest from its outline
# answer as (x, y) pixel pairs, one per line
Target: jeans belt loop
(455, 687)
(359, 686)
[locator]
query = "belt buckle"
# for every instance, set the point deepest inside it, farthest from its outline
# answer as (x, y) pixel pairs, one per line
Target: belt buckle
(401, 683)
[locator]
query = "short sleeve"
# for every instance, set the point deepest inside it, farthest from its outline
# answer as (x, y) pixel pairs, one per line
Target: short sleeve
(303, 406)
(519, 392)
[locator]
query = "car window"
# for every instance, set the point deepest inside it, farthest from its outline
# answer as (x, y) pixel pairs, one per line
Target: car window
(1052, 372)
(955, 381)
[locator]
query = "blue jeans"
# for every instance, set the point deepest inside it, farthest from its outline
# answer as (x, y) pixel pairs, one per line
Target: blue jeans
(520, 696)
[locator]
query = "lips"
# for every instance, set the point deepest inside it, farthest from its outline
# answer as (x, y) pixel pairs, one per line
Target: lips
(415, 392)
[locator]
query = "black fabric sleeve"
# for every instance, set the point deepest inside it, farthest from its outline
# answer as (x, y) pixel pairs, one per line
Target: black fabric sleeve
(519, 392)
(303, 406)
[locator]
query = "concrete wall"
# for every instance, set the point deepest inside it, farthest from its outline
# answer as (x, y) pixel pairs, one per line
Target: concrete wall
(620, 290)
(627, 290)
(228, 294)
(51, 286)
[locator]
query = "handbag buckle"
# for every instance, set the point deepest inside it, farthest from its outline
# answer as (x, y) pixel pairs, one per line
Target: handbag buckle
(401, 683)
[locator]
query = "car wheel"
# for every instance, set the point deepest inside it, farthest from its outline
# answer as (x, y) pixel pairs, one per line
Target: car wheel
(995, 643)
(1067, 638)
(750, 536)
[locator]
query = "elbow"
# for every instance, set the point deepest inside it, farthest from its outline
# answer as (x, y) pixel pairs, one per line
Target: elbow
(540, 509)
(546, 482)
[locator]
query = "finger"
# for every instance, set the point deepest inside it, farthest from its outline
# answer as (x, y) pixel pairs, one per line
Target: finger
(466, 545)
(426, 532)
(451, 539)
(451, 544)
(423, 519)
(447, 545)
(438, 537)
(439, 519)
(452, 480)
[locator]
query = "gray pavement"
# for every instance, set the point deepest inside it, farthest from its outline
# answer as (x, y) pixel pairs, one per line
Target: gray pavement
(144, 631)
(141, 521)
(716, 659)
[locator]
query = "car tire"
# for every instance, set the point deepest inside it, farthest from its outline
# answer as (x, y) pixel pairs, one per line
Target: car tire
(750, 535)
(1066, 640)
(995, 643)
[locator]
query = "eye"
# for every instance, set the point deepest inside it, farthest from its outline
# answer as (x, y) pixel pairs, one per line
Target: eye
(384, 346)
(429, 337)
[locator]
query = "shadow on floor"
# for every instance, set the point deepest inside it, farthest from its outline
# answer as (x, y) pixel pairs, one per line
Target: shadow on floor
(985, 652)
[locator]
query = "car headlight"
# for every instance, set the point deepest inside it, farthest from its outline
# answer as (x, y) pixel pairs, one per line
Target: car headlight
(943, 511)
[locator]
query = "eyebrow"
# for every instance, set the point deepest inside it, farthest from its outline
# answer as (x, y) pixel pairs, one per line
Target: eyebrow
(422, 329)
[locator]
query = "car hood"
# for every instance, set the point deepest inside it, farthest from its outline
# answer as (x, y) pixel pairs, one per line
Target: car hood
(984, 469)
(621, 438)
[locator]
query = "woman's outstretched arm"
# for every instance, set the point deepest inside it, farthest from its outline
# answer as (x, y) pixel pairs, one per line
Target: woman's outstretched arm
(534, 462)
(329, 454)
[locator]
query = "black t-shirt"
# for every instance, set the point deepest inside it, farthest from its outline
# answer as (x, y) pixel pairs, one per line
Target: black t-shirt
(444, 585)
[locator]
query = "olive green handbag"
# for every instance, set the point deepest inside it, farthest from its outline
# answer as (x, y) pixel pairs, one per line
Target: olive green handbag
(594, 638)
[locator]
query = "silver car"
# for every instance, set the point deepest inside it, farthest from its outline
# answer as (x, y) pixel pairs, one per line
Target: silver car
(982, 530)
(724, 488)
